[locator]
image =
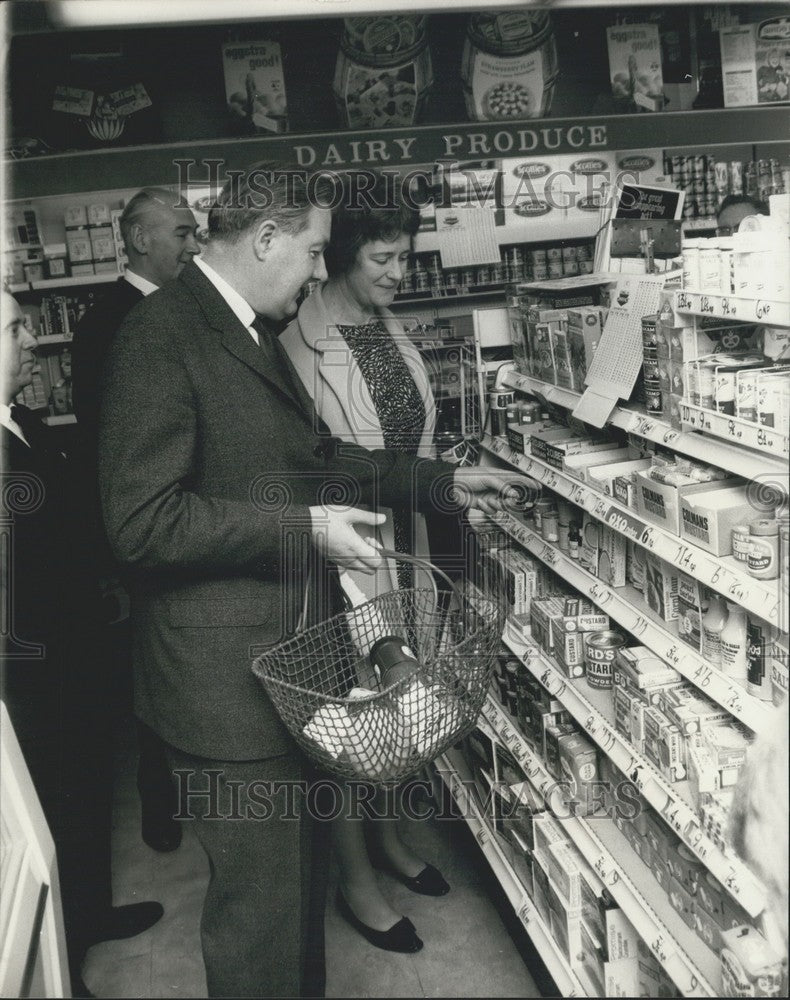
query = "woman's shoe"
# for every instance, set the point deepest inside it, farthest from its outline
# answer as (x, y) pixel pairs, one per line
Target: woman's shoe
(400, 937)
(429, 882)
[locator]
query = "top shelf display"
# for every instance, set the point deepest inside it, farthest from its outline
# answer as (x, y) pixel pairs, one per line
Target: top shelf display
(199, 163)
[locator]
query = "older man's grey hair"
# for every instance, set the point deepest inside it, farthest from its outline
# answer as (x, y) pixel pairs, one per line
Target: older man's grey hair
(144, 206)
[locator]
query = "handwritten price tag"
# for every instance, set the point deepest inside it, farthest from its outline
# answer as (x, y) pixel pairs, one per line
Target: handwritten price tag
(682, 302)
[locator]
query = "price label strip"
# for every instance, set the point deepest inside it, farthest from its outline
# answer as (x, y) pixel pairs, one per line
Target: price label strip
(733, 307)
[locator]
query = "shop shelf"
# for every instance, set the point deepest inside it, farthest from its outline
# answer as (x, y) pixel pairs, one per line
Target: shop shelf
(722, 573)
(50, 284)
(766, 440)
(693, 967)
(455, 775)
(733, 307)
(627, 607)
(54, 338)
(593, 710)
(727, 453)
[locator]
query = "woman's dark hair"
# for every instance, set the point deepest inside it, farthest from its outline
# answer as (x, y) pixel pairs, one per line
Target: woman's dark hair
(372, 208)
(757, 204)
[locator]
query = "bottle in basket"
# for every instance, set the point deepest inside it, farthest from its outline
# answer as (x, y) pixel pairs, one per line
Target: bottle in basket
(427, 712)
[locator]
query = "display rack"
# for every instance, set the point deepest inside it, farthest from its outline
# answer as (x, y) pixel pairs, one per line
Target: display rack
(693, 967)
(628, 608)
(723, 573)
(759, 461)
(594, 713)
(457, 779)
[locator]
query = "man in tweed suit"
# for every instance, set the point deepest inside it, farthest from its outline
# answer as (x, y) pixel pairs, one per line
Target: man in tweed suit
(211, 458)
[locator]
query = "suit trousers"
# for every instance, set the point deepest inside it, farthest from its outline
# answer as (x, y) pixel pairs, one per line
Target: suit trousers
(262, 927)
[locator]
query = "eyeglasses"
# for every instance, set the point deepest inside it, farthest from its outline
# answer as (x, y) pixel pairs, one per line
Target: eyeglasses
(724, 230)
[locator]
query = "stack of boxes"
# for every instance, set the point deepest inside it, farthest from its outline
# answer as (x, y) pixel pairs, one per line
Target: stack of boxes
(91, 242)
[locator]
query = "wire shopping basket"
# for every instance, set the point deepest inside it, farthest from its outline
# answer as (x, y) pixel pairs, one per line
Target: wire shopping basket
(317, 680)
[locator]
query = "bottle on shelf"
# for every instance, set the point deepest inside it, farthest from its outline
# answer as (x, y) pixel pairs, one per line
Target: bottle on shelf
(713, 622)
(734, 660)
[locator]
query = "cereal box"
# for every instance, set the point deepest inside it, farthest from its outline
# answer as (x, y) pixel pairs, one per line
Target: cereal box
(635, 64)
(254, 84)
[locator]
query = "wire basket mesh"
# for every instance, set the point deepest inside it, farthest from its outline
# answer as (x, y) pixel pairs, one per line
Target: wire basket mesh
(316, 681)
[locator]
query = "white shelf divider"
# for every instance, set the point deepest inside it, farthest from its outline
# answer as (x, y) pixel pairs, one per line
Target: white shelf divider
(666, 798)
(627, 607)
(723, 573)
(51, 284)
(750, 456)
(453, 772)
(692, 966)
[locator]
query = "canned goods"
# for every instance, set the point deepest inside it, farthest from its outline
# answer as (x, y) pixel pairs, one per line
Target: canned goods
(650, 367)
(741, 542)
(555, 269)
(499, 400)
(483, 275)
(540, 508)
(550, 525)
(466, 277)
(568, 253)
(572, 267)
(538, 256)
(721, 176)
(600, 650)
(540, 272)
(764, 549)
(736, 177)
(704, 385)
(746, 396)
(725, 391)
(554, 253)
(584, 252)
(451, 280)
(654, 398)
(650, 330)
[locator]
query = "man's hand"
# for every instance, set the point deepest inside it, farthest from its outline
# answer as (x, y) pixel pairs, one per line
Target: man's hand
(491, 490)
(335, 537)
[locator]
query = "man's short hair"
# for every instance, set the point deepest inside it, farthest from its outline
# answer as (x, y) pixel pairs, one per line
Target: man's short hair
(759, 207)
(267, 190)
(146, 200)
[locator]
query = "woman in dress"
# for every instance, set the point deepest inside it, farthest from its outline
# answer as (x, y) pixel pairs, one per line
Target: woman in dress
(369, 385)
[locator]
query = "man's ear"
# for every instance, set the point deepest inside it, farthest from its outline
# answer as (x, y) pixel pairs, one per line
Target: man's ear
(265, 232)
(138, 237)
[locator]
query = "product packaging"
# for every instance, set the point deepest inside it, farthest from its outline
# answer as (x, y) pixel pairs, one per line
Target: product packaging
(578, 466)
(578, 761)
(602, 477)
(602, 552)
(635, 65)
(692, 604)
(664, 745)
(659, 503)
(708, 517)
(585, 327)
(254, 84)
(749, 966)
(661, 587)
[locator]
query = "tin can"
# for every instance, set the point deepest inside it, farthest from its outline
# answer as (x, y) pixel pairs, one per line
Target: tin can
(650, 366)
(540, 272)
(699, 162)
(654, 398)
(538, 256)
(585, 267)
(555, 269)
(499, 400)
(721, 176)
(600, 650)
(764, 549)
(725, 391)
(650, 330)
(572, 267)
(554, 253)
(736, 177)
(703, 385)
(569, 253)
(746, 396)
(741, 542)
(540, 509)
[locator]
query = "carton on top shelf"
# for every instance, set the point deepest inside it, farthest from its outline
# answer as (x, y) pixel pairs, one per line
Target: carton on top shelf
(707, 519)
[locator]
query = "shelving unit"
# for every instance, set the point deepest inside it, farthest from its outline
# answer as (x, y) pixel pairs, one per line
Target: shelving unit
(627, 607)
(594, 713)
(692, 966)
(723, 573)
(758, 461)
(457, 779)
(733, 307)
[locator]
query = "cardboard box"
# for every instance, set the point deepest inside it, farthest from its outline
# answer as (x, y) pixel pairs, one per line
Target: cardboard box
(568, 644)
(692, 604)
(541, 437)
(658, 835)
(542, 351)
(602, 477)
(707, 519)
(578, 465)
(661, 587)
(562, 360)
(79, 247)
(659, 503)
(602, 552)
(551, 739)
(578, 761)
(682, 901)
(545, 832)
(635, 65)
(606, 977)
(99, 214)
(76, 216)
(664, 745)
(255, 86)
(691, 711)
(556, 452)
(565, 923)
(585, 327)
(639, 668)
(102, 244)
(684, 867)
(540, 885)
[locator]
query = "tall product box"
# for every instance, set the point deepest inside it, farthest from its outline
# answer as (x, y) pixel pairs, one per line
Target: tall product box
(707, 519)
(254, 85)
(659, 503)
(585, 327)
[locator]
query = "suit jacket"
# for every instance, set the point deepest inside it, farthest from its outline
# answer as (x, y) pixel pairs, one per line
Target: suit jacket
(331, 376)
(210, 455)
(89, 350)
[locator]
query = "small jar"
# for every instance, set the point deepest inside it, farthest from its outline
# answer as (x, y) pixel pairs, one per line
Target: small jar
(764, 549)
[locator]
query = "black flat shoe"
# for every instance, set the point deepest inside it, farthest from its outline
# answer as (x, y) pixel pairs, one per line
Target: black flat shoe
(429, 882)
(400, 937)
